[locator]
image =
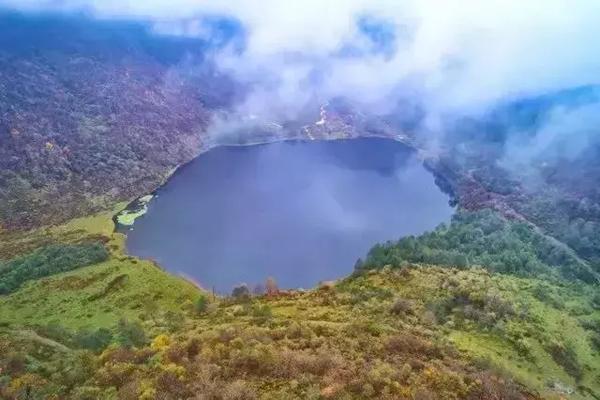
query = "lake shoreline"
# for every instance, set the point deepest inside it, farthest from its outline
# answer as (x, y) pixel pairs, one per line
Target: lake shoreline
(314, 200)
(132, 204)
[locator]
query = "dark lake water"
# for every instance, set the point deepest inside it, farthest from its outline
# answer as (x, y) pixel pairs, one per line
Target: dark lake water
(300, 212)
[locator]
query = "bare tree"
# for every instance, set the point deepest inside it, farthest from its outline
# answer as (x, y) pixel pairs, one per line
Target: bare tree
(271, 287)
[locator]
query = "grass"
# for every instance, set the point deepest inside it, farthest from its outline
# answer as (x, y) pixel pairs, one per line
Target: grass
(502, 345)
(128, 217)
(80, 298)
(99, 226)
(335, 339)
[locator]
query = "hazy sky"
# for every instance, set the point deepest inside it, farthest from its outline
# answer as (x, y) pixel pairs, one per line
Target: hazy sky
(455, 55)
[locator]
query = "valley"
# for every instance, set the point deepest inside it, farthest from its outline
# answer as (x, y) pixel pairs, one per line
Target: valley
(385, 254)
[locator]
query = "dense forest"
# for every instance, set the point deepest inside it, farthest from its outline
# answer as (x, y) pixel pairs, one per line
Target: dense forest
(47, 261)
(484, 238)
(95, 112)
(492, 162)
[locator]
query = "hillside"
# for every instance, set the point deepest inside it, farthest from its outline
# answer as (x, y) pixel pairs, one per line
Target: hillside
(499, 162)
(95, 112)
(411, 331)
(500, 303)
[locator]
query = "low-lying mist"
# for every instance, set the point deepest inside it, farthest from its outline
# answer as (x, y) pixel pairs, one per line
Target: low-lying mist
(452, 61)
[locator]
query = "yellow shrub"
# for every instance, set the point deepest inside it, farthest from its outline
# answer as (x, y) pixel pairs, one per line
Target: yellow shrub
(160, 342)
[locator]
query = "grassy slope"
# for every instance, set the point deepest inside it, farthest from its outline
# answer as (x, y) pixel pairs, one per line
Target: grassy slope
(70, 297)
(98, 295)
(351, 322)
(498, 345)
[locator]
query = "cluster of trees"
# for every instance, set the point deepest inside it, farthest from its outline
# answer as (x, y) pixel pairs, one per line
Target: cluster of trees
(575, 222)
(127, 333)
(482, 238)
(47, 261)
(242, 292)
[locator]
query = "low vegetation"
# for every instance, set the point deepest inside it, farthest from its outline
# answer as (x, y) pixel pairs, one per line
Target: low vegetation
(398, 328)
(420, 333)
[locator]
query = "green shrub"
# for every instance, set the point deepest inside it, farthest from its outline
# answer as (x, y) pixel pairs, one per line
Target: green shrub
(47, 261)
(201, 305)
(402, 307)
(262, 312)
(95, 340)
(566, 356)
(130, 334)
(596, 301)
(53, 330)
(544, 293)
(595, 341)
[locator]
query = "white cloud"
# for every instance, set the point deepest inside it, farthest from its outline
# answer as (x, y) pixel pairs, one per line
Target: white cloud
(458, 54)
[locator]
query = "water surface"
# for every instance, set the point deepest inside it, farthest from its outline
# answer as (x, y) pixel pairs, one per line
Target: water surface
(301, 212)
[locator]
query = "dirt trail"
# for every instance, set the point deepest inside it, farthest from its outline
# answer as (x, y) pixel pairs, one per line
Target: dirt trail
(32, 335)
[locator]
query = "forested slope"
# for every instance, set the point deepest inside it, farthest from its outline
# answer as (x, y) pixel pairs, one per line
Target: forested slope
(93, 112)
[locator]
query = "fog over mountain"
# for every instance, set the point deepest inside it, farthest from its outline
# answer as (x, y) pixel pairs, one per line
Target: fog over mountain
(449, 59)
(368, 199)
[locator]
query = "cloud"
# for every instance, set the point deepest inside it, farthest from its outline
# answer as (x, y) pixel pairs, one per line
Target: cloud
(565, 134)
(453, 56)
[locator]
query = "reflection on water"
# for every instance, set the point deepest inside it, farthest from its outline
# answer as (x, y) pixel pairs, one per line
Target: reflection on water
(299, 212)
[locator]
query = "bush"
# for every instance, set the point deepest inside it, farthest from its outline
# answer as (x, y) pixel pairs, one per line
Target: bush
(173, 320)
(201, 305)
(565, 356)
(130, 334)
(53, 330)
(239, 390)
(241, 293)
(544, 293)
(402, 307)
(47, 261)
(411, 344)
(93, 340)
(595, 341)
(596, 301)
(262, 312)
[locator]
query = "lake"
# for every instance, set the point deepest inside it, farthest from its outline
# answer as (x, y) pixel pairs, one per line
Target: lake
(300, 212)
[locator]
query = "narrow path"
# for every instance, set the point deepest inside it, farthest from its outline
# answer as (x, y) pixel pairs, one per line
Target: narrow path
(32, 335)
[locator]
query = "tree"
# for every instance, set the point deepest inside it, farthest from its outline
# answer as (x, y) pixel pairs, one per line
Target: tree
(93, 340)
(271, 287)
(258, 290)
(201, 304)
(358, 264)
(130, 333)
(241, 292)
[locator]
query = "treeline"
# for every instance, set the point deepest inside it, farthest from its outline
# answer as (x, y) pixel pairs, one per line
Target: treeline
(486, 239)
(572, 221)
(47, 261)
(127, 333)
